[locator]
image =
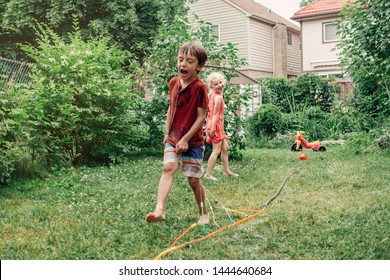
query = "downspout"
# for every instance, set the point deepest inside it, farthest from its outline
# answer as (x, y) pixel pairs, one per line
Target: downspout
(273, 49)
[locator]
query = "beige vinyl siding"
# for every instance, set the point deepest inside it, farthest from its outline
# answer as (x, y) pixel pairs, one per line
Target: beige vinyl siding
(260, 57)
(233, 22)
(314, 50)
(294, 56)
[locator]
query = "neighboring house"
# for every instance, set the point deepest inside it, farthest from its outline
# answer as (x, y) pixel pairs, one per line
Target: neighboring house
(319, 39)
(269, 43)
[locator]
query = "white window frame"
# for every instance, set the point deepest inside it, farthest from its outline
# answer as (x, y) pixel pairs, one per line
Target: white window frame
(289, 39)
(325, 33)
(218, 27)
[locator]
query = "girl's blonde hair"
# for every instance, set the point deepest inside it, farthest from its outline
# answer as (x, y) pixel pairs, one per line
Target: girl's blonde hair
(215, 76)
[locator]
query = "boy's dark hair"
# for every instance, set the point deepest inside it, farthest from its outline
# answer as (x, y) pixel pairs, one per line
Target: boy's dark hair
(195, 49)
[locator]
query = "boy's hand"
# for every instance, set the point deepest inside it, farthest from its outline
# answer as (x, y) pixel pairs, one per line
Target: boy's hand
(165, 139)
(182, 146)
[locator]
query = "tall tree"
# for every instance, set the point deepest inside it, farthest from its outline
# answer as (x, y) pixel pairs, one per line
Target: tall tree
(129, 23)
(365, 51)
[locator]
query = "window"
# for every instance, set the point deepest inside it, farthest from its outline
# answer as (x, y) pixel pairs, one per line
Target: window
(289, 39)
(330, 32)
(215, 31)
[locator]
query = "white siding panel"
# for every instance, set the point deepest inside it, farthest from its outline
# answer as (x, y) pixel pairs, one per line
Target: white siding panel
(233, 22)
(261, 51)
(294, 56)
(313, 47)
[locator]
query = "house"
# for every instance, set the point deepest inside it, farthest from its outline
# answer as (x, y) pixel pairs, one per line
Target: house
(269, 43)
(319, 39)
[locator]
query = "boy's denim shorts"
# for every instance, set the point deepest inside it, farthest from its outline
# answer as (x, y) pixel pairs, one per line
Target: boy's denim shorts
(190, 161)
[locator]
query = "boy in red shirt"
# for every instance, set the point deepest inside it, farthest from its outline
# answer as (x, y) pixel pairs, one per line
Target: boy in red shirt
(184, 142)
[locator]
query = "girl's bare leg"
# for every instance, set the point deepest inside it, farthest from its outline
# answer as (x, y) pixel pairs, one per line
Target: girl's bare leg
(225, 159)
(212, 160)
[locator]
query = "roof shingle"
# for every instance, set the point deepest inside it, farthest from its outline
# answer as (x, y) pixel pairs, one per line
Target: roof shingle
(320, 7)
(257, 9)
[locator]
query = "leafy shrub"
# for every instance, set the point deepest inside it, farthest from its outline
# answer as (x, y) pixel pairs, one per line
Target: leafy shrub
(292, 95)
(7, 164)
(359, 142)
(80, 102)
(371, 99)
(314, 128)
(382, 134)
(383, 141)
(12, 118)
(278, 91)
(267, 121)
(17, 160)
(312, 90)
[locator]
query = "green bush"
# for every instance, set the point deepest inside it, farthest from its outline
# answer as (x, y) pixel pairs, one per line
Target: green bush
(12, 118)
(312, 90)
(17, 160)
(382, 134)
(292, 95)
(371, 99)
(265, 122)
(278, 91)
(80, 101)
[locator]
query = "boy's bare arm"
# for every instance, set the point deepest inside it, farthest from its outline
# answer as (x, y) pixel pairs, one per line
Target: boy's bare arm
(167, 126)
(182, 145)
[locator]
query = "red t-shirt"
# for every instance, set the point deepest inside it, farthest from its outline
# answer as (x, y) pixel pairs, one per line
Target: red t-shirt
(184, 104)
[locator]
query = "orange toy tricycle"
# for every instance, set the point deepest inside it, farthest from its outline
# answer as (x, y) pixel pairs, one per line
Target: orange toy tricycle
(299, 140)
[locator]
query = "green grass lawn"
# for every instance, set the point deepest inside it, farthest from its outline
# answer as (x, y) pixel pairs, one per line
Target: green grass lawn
(337, 206)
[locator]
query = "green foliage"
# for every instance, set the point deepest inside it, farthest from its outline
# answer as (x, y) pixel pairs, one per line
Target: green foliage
(304, 3)
(305, 103)
(279, 92)
(152, 117)
(292, 95)
(130, 24)
(381, 134)
(345, 119)
(312, 90)
(365, 53)
(8, 132)
(265, 122)
(16, 159)
(370, 99)
(163, 67)
(80, 102)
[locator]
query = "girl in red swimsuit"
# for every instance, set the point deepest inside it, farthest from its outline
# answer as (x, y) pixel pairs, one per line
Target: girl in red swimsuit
(215, 132)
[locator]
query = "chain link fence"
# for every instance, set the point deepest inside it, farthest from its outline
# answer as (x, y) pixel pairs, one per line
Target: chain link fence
(13, 72)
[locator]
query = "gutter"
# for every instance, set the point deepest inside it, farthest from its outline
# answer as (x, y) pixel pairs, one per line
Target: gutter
(273, 49)
(316, 16)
